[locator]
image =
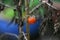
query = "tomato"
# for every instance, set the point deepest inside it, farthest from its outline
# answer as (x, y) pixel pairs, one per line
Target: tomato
(31, 20)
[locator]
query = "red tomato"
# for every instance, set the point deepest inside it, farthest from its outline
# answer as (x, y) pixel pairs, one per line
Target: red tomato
(31, 20)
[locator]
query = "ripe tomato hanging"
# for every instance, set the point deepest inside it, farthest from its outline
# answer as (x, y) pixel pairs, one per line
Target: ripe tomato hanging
(31, 19)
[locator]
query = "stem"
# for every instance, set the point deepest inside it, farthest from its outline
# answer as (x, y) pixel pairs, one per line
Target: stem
(27, 12)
